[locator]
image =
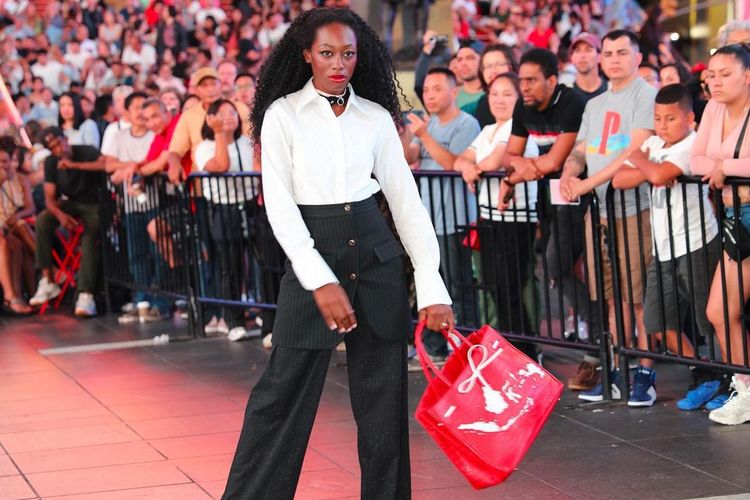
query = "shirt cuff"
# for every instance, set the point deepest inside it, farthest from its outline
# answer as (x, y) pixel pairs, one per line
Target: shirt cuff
(312, 271)
(430, 289)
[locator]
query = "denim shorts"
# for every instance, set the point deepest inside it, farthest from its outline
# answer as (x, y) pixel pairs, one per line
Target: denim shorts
(744, 215)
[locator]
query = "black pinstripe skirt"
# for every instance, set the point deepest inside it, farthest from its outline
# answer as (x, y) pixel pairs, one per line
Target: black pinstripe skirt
(359, 247)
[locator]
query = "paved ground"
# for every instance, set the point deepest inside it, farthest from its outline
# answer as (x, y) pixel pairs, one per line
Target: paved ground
(162, 422)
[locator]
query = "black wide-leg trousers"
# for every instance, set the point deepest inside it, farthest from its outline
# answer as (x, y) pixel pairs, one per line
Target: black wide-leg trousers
(282, 408)
(282, 405)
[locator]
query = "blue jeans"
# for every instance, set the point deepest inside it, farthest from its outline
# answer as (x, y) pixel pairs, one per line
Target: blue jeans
(744, 214)
(144, 261)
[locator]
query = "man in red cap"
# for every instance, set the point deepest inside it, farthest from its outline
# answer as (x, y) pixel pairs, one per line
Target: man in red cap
(584, 54)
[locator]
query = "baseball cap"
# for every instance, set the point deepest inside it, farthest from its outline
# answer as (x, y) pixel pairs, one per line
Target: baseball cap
(204, 72)
(698, 68)
(475, 45)
(588, 38)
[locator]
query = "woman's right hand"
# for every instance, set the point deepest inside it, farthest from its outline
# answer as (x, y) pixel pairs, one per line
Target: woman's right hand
(334, 306)
(471, 176)
(216, 123)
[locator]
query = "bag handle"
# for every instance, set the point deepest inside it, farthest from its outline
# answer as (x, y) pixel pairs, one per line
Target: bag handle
(742, 136)
(428, 367)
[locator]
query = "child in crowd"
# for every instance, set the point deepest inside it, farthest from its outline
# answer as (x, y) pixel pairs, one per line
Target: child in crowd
(685, 246)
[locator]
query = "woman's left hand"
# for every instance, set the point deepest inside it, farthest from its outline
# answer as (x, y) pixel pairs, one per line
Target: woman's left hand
(438, 317)
(717, 176)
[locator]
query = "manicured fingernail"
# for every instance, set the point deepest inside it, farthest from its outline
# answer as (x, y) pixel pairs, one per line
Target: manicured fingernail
(342, 330)
(333, 326)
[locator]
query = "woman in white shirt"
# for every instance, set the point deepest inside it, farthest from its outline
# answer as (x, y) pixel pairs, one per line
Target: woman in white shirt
(79, 130)
(324, 112)
(506, 238)
(224, 149)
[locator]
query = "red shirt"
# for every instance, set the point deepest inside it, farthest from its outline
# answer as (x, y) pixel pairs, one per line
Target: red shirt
(541, 40)
(161, 144)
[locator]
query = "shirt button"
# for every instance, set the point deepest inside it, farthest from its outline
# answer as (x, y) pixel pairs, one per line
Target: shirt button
(352, 243)
(347, 208)
(353, 276)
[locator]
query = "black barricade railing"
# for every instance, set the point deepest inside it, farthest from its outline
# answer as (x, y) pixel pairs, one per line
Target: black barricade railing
(523, 270)
(217, 222)
(146, 232)
(536, 271)
(240, 264)
(693, 311)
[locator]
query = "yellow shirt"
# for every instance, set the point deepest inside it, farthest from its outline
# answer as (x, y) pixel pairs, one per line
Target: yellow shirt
(187, 132)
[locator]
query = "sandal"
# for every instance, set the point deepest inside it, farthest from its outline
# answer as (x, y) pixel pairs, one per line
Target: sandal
(17, 307)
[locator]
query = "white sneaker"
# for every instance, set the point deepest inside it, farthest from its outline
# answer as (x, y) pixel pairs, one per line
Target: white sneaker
(181, 307)
(45, 292)
(221, 327)
(736, 410)
(238, 333)
(582, 332)
(267, 341)
(211, 325)
(154, 315)
(128, 317)
(85, 305)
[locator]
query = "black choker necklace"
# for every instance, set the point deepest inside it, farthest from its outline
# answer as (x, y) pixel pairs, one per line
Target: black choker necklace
(336, 99)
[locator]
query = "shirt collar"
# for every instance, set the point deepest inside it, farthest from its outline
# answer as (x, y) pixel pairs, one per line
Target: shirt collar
(309, 94)
(556, 96)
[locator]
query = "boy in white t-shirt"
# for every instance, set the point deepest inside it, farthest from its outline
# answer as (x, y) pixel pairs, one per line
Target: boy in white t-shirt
(685, 246)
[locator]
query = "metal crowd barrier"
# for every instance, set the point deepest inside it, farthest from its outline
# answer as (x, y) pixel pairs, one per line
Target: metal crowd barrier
(145, 239)
(240, 264)
(524, 271)
(702, 263)
(534, 271)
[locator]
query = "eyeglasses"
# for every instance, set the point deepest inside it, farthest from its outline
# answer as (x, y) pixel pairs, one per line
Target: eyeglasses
(496, 66)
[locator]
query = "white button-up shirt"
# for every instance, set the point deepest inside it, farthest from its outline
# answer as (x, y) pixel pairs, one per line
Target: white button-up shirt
(312, 157)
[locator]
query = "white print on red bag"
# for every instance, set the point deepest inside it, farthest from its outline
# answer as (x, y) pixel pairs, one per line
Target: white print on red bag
(495, 401)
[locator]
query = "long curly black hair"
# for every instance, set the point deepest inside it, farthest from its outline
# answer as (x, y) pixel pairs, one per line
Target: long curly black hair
(286, 71)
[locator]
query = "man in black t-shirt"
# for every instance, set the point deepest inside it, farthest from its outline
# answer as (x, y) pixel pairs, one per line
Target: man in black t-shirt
(550, 115)
(73, 176)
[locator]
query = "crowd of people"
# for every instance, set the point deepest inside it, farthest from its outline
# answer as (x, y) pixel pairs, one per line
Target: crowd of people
(559, 141)
(564, 97)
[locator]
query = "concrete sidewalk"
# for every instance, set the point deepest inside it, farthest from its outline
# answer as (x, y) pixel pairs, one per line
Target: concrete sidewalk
(161, 422)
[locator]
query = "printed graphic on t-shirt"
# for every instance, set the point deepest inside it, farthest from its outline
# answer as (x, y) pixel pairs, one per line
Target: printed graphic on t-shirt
(659, 193)
(611, 141)
(544, 139)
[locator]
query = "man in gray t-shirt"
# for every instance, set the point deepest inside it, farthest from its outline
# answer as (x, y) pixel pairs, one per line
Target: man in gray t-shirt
(614, 124)
(608, 128)
(436, 145)
(449, 203)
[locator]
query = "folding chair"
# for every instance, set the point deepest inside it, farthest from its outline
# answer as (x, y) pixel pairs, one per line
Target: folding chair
(68, 263)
